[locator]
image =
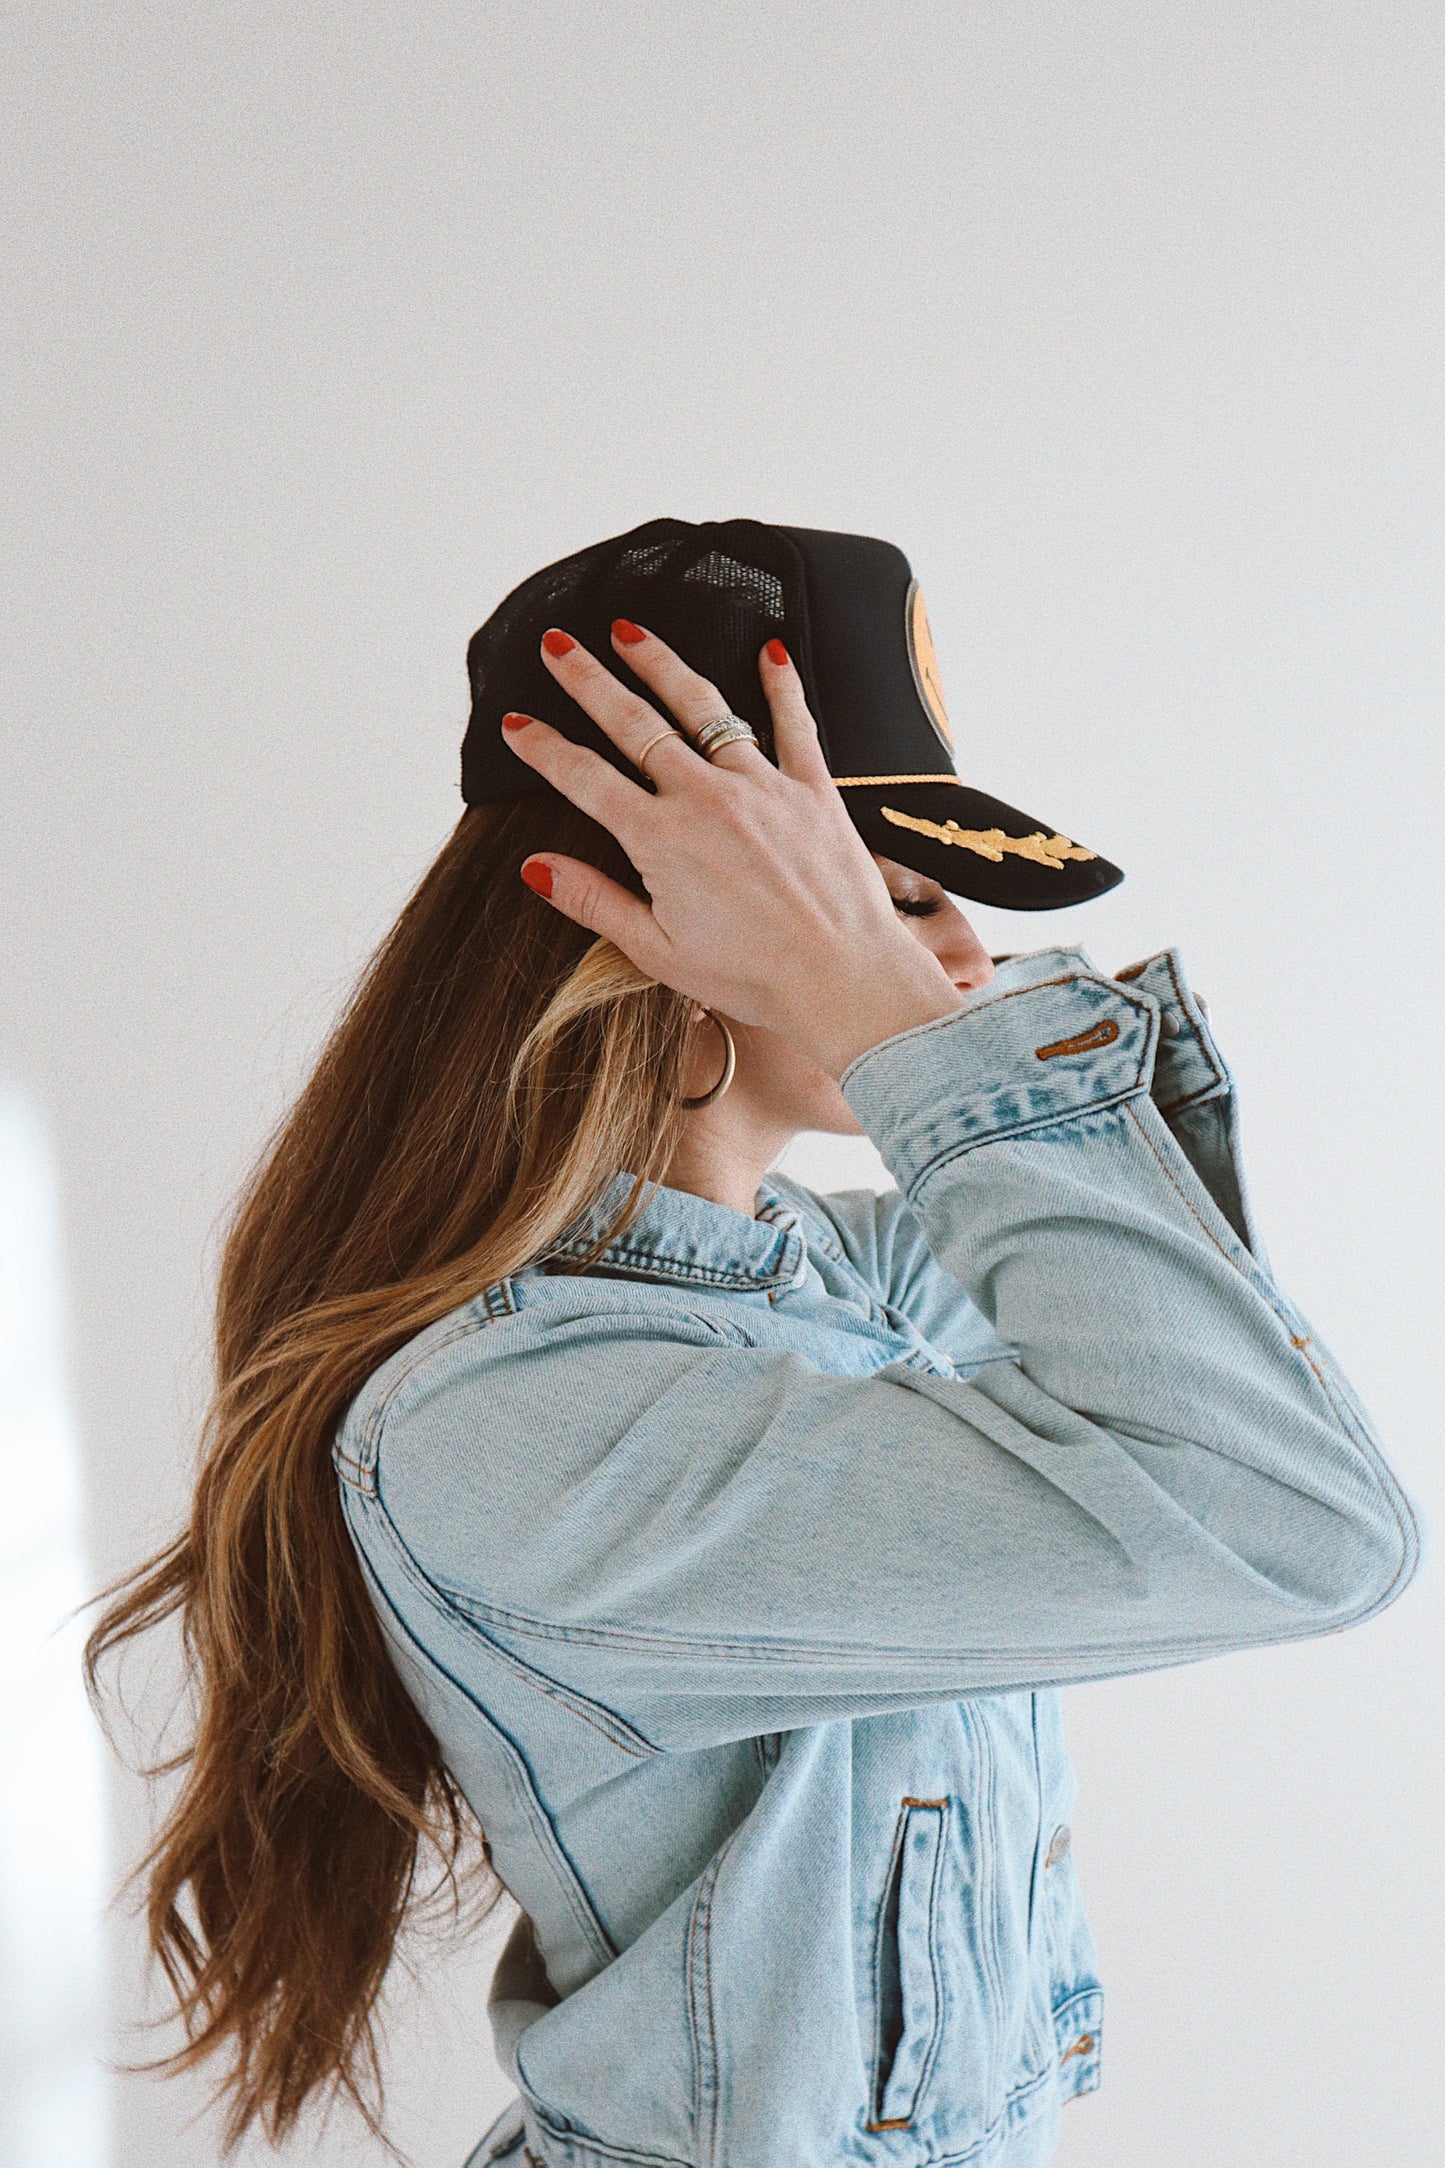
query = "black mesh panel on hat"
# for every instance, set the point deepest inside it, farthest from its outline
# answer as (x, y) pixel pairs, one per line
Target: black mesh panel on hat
(714, 592)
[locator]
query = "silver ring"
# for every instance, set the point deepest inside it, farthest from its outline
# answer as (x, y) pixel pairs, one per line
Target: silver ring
(724, 730)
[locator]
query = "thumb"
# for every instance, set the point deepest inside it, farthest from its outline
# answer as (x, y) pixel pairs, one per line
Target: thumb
(602, 905)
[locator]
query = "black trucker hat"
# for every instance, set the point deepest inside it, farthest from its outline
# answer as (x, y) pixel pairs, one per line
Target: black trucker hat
(851, 615)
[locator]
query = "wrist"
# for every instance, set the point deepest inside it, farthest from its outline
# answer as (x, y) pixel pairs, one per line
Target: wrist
(861, 1016)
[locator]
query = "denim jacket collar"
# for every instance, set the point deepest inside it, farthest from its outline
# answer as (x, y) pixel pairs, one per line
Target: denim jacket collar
(692, 1241)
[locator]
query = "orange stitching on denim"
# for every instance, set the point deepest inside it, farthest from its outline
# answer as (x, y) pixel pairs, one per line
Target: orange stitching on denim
(1174, 1185)
(879, 2087)
(1012, 993)
(1104, 1033)
(1177, 1106)
(1199, 1040)
(981, 1008)
(1302, 1342)
(506, 1301)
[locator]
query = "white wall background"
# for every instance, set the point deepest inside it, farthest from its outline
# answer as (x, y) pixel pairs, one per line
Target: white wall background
(326, 324)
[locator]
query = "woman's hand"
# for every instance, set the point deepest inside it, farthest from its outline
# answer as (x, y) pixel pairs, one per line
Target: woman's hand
(765, 902)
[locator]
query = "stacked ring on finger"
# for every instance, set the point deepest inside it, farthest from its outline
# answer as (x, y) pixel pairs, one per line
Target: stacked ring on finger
(724, 730)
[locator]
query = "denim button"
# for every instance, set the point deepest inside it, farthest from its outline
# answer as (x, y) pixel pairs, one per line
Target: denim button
(1058, 1845)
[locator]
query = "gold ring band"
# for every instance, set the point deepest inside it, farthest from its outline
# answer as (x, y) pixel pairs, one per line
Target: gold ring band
(667, 731)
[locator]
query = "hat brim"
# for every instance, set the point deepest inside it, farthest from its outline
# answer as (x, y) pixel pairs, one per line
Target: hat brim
(974, 845)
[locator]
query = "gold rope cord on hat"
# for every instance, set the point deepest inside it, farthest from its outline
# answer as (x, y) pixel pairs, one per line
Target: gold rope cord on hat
(992, 842)
(852, 782)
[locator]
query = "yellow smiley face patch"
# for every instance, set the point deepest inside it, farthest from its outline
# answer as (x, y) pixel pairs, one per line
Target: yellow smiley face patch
(924, 662)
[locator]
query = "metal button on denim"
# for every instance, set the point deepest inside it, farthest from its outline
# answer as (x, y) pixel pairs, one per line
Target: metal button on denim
(1058, 1845)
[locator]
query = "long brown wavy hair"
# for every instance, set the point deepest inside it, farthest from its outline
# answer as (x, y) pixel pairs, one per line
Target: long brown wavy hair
(493, 1072)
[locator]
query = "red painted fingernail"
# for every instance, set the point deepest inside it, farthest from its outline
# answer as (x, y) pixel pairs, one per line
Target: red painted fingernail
(777, 652)
(558, 643)
(515, 722)
(538, 874)
(624, 630)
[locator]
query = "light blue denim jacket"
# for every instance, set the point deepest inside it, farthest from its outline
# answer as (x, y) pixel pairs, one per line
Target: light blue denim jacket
(737, 1575)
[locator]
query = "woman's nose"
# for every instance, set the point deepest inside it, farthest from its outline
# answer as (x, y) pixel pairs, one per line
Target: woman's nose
(961, 953)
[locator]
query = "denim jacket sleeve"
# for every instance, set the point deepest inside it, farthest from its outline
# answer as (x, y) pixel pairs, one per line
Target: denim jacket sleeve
(721, 1539)
(1192, 1088)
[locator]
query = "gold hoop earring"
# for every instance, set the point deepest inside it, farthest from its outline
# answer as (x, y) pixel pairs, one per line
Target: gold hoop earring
(730, 1062)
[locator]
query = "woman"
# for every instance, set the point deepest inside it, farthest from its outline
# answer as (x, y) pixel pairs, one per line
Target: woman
(716, 1548)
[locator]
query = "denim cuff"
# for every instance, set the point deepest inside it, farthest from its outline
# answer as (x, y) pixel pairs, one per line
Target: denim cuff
(1194, 1091)
(1188, 1066)
(1050, 1037)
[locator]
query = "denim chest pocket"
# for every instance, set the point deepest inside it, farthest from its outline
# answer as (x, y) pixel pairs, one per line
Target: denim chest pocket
(908, 1987)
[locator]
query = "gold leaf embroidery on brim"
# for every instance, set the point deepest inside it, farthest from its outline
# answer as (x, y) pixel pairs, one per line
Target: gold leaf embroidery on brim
(992, 842)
